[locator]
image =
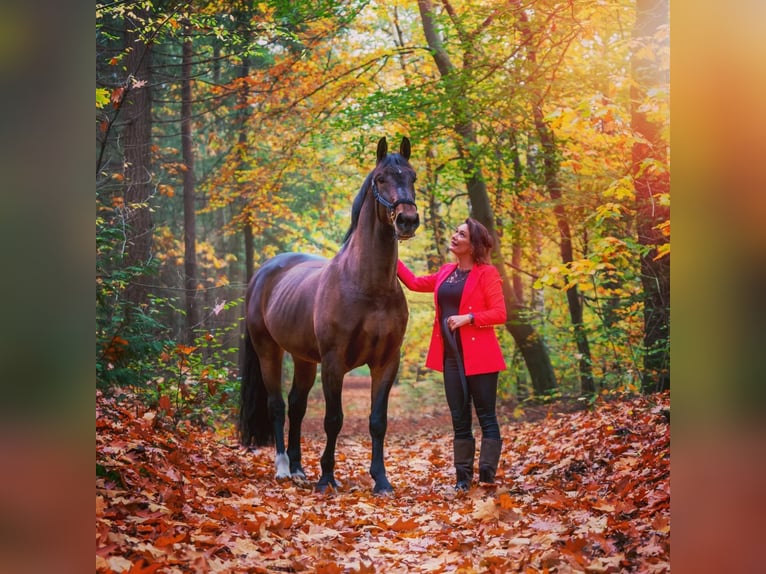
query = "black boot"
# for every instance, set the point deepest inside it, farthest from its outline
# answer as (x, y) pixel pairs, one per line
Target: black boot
(489, 458)
(464, 450)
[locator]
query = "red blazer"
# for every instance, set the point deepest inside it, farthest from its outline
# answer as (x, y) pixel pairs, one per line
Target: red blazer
(482, 296)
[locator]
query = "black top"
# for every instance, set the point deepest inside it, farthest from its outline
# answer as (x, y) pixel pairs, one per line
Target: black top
(448, 297)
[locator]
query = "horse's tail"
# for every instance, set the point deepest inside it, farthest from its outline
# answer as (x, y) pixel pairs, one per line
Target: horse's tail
(254, 425)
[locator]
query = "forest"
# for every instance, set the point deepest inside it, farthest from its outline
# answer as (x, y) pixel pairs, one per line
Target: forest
(229, 132)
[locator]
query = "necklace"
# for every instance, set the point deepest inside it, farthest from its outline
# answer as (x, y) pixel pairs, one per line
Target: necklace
(457, 276)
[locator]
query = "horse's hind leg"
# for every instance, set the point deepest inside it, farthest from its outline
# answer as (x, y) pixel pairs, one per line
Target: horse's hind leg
(271, 369)
(303, 379)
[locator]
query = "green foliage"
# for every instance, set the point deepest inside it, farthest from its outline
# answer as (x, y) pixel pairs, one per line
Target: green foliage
(127, 346)
(129, 337)
(137, 349)
(196, 382)
(102, 97)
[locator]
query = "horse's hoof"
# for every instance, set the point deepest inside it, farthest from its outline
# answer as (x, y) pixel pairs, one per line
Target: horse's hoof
(383, 488)
(282, 464)
(323, 485)
(299, 479)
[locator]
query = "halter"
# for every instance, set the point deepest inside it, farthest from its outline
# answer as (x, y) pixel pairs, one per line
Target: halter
(387, 204)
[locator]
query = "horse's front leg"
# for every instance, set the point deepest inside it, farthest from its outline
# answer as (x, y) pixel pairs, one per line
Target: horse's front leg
(382, 381)
(332, 386)
(303, 380)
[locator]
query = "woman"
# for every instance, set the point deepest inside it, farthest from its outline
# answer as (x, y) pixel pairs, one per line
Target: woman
(468, 296)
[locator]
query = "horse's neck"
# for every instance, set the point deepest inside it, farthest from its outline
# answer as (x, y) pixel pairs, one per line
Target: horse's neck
(369, 258)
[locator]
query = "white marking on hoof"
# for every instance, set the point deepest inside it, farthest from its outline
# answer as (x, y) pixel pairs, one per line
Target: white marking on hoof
(283, 465)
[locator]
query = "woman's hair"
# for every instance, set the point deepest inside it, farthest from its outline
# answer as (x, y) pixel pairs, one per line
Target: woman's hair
(481, 241)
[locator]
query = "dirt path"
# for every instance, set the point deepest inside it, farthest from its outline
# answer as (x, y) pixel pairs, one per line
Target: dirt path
(413, 408)
(410, 409)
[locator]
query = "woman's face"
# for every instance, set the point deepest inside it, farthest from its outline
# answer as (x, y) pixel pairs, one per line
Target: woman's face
(460, 243)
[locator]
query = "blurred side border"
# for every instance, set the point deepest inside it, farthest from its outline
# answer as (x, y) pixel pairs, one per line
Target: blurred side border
(47, 369)
(718, 297)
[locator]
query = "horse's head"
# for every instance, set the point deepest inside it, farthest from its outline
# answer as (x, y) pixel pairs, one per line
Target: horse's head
(393, 186)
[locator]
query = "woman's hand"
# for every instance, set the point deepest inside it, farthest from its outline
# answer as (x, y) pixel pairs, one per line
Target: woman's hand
(457, 321)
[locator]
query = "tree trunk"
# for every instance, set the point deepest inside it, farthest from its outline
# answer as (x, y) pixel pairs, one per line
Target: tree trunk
(650, 182)
(532, 348)
(553, 184)
(137, 109)
(516, 248)
(247, 227)
(190, 230)
(437, 257)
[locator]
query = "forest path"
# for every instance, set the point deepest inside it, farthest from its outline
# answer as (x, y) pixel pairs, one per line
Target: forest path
(411, 409)
(576, 492)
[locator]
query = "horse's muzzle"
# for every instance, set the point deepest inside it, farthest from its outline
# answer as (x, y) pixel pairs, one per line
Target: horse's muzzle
(406, 224)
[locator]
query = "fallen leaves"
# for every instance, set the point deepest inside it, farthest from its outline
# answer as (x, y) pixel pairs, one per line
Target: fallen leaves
(582, 492)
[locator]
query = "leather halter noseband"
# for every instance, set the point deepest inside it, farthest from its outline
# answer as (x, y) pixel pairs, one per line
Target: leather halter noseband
(387, 204)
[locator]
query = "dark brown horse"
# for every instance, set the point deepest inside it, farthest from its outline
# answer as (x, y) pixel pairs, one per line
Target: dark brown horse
(343, 313)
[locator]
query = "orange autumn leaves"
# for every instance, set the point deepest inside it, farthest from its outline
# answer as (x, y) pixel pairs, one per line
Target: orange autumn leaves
(586, 491)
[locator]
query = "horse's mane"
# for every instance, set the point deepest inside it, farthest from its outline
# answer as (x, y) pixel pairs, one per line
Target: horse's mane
(356, 207)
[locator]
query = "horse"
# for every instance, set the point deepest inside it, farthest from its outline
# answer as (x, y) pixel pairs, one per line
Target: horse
(343, 312)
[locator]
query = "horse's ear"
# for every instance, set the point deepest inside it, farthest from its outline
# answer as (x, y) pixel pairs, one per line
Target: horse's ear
(404, 148)
(382, 149)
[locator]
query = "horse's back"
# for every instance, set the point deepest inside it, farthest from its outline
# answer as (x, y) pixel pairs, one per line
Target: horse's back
(274, 269)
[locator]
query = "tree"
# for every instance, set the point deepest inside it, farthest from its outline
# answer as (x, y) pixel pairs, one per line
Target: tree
(652, 184)
(136, 106)
(190, 229)
(552, 183)
(519, 110)
(531, 346)
(551, 158)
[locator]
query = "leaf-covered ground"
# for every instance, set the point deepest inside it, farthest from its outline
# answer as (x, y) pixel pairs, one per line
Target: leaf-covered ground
(584, 491)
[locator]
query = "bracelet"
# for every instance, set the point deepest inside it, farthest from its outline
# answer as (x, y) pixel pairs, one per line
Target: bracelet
(470, 318)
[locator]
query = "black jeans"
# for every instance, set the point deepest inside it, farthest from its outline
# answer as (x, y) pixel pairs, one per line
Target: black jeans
(482, 392)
